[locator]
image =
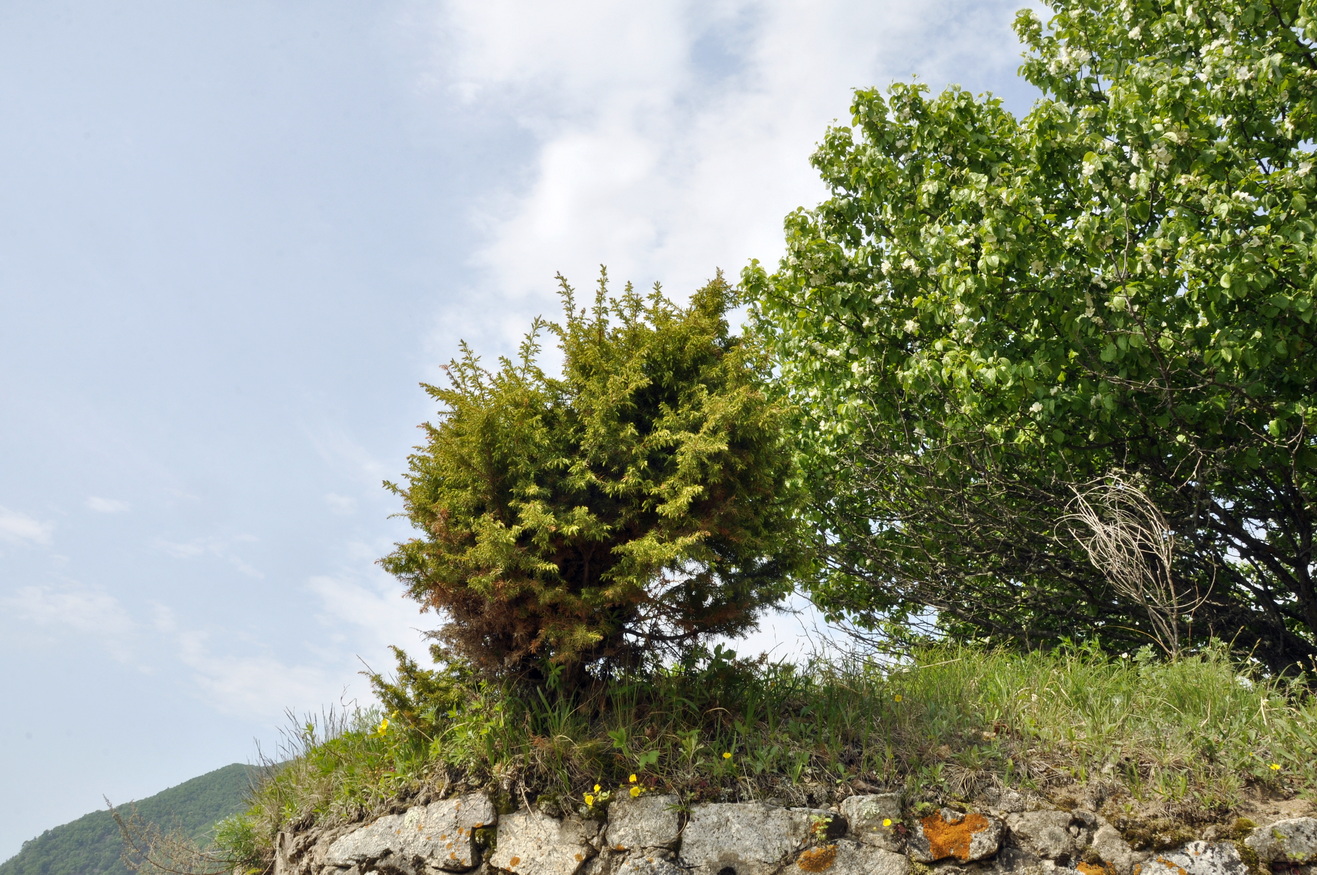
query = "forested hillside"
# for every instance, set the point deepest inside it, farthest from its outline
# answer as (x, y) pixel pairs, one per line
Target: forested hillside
(91, 845)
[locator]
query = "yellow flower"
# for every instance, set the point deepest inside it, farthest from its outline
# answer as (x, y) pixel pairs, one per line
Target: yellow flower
(636, 791)
(383, 727)
(596, 788)
(887, 821)
(1275, 767)
(632, 779)
(727, 755)
(896, 698)
(589, 799)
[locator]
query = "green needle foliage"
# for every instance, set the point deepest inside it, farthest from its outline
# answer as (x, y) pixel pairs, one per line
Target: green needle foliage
(626, 509)
(993, 316)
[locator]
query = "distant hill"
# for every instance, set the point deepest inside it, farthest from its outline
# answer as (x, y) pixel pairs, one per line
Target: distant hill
(91, 845)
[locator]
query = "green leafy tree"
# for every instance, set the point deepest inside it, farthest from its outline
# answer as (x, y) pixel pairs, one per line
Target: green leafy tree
(631, 506)
(992, 315)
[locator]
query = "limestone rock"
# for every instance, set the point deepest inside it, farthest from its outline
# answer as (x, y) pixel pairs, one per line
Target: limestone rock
(1111, 848)
(1195, 858)
(848, 857)
(1012, 801)
(532, 843)
(1052, 835)
(438, 836)
(648, 864)
(749, 838)
(1017, 861)
(644, 822)
(947, 834)
(1291, 841)
(872, 819)
(606, 862)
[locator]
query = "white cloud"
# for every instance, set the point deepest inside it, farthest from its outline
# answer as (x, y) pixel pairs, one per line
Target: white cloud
(793, 635)
(360, 621)
(376, 613)
(216, 547)
(88, 611)
(18, 528)
(163, 618)
(259, 686)
(107, 505)
(672, 138)
(571, 49)
(347, 455)
(340, 504)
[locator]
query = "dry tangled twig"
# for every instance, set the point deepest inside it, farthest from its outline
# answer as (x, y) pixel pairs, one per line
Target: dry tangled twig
(151, 850)
(1129, 541)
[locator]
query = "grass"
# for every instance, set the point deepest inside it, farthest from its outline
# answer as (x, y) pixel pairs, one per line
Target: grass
(1197, 736)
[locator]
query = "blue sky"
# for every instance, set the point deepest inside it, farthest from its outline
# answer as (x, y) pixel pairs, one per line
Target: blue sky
(235, 236)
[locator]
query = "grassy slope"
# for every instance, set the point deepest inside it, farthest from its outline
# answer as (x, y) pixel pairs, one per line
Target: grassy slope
(91, 845)
(1194, 740)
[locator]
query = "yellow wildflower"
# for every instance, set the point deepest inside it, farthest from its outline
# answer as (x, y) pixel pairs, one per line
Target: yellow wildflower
(727, 755)
(636, 791)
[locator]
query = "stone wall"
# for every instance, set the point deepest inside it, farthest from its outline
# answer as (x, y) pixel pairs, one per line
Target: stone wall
(864, 835)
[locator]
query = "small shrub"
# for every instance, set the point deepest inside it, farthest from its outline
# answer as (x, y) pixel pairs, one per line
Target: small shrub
(634, 506)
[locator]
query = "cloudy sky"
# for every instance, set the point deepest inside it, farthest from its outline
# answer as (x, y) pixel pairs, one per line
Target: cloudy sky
(235, 236)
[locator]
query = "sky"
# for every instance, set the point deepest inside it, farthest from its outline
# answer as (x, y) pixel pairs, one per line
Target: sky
(234, 238)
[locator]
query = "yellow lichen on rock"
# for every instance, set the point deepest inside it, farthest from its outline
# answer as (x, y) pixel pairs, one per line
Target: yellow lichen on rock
(818, 859)
(951, 838)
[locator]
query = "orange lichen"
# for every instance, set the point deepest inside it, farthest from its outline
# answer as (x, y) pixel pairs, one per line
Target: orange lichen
(1095, 868)
(514, 861)
(1180, 870)
(818, 859)
(951, 838)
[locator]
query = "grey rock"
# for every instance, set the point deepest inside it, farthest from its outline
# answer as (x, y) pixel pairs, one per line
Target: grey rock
(1003, 800)
(1012, 801)
(1018, 861)
(645, 822)
(866, 816)
(953, 834)
(1292, 841)
(1052, 835)
(304, 852)
(649, 864)
(1051, 867)
(532, 843)
(1195, 858)
(1111, 847)
(1085, 819)
(283, 854)
(606, 862)
(438, 836)
(368, 844)
(749, 838)
(849, 857)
